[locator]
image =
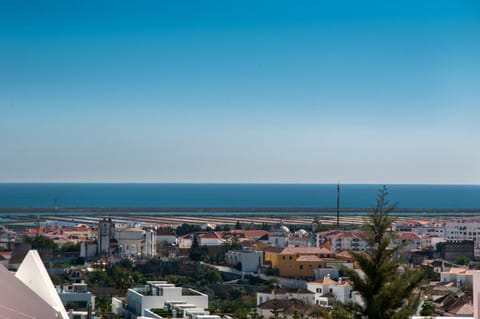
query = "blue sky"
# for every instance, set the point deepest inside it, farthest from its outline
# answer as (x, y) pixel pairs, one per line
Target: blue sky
(240, 91)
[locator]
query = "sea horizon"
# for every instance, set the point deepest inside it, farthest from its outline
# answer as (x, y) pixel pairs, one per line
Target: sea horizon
(234, 195)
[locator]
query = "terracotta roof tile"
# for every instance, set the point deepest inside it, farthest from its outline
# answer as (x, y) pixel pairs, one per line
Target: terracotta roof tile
(305, 251)
(328, 281)
(408, 236)
(308, 258)
(273, 249)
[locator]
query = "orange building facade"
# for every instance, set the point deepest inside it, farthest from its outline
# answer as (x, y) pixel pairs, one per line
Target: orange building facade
(297, 262)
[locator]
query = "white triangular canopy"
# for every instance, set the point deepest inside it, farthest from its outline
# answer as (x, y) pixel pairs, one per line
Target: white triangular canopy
(33, 273)
(17, 301)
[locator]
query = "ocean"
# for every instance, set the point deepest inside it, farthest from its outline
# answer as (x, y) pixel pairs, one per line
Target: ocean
(233, 195)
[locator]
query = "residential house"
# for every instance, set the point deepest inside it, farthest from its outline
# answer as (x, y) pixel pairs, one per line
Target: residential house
(297, 262)
(342, 240)
(77, 297)
(462, 277)
(210, 238)
(166, 236)
(409, 240)
(431, 242)
(289, 309)
(431, 228)
(285, 294)
(341, 290)
(249, 260)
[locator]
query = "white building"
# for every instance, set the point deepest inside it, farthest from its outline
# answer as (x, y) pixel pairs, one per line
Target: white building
(157, 294)
(300, 238)
(341, 290)
(185, 241)
(7, 237)
(421, 227)
(461, 276)
(211, 239)
(150, 246)
(249, 259)
(342, 240)
(77, 294)
(430, 242)
(136, 242)
(464, 229)
(183, 309)
(285, 294)
(166, 236)
(409, 240)
(279, 236)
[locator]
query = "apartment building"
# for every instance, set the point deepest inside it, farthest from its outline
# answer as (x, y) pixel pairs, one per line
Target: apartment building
(156, 295)
(339, 240)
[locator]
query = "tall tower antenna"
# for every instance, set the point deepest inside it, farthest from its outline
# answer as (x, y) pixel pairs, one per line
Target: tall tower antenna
(338, 205)
(38, 226)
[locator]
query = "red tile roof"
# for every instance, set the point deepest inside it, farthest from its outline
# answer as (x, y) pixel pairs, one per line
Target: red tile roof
(255, 233)
(308, 258)
(344, 254)
(273, 249)
(305, 251)
(212, 235)
(408, 236)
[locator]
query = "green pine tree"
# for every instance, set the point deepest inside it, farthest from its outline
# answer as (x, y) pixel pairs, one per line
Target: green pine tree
(389, 286)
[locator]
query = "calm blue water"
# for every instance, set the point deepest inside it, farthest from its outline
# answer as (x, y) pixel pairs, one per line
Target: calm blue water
(233, 195)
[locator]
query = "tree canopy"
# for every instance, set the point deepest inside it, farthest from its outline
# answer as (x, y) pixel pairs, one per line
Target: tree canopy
(41, 242)
(197, 252)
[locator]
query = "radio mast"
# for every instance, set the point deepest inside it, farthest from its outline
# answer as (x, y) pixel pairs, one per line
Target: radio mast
(338, 206)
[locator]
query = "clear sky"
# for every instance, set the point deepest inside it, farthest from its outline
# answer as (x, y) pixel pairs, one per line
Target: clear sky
(240, 91)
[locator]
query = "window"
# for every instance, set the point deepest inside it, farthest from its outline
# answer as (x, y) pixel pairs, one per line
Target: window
(301, 267)
(319, 290)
